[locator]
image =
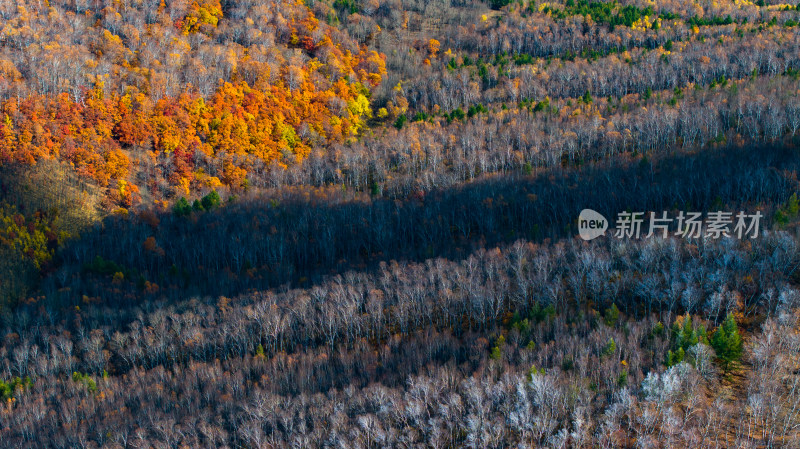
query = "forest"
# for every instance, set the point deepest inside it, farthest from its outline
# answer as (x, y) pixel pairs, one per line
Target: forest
(251, 224)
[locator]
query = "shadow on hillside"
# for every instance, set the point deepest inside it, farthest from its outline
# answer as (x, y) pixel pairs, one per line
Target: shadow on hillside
(298, 238)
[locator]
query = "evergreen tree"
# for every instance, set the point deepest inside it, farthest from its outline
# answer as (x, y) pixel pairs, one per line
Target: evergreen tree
(610, 348)
(497, 351)
(685, 335)
(401, 120)
(182, 207)
(211, 200)
(727, 342)
(612, 315)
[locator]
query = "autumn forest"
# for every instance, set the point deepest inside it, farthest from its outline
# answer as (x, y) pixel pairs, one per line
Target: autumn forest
(355, 224)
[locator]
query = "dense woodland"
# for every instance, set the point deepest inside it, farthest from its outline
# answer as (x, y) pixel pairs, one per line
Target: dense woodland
(353, 224)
